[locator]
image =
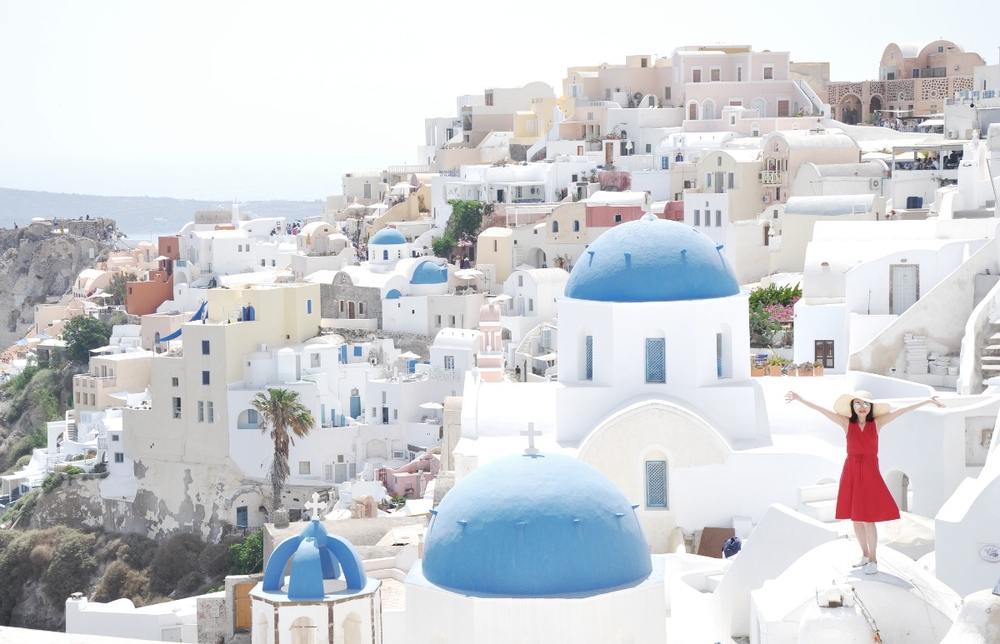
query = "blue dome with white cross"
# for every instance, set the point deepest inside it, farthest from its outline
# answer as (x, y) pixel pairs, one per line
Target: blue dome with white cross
(532, 526)
(652, 260)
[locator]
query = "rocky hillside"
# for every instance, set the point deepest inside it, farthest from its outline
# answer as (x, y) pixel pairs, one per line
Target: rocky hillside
(39, 263)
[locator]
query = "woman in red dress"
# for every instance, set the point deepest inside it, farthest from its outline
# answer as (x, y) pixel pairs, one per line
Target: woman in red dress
(863, 497)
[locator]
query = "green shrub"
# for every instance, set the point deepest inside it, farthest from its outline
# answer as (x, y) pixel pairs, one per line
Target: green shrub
(214, 560)
(176, 557)
(21, 509)
(771, 294)
(247, 557)
(52, 481)
(72, 469)
(121, 581)
(189, 584)
(134, 550)
(72, 565)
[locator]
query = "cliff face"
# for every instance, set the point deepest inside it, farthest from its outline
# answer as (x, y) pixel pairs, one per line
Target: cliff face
(40, 262)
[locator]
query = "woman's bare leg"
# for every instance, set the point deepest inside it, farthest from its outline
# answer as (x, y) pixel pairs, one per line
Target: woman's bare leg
(871, 540)
(862, 535)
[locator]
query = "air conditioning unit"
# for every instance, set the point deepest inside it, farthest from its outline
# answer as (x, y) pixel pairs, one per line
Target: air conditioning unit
(767, 199)
(533, 190)
(874, 184)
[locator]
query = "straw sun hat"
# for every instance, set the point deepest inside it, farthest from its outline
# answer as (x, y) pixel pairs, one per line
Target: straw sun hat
(843, 404)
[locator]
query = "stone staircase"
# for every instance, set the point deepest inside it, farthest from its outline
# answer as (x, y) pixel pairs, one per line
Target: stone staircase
(989, 355)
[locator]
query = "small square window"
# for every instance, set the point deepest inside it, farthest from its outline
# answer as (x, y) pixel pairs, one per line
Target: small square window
(119, 457)
(618, 219)
(305, 467)
(115, 438)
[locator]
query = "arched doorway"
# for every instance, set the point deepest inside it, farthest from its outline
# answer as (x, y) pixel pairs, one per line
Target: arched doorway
(535, 257)
(850, 109)
(693, 111)
(875, 108)
(708, 109)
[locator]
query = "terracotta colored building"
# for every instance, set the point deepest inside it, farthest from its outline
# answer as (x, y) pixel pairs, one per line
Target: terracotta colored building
(144, 297)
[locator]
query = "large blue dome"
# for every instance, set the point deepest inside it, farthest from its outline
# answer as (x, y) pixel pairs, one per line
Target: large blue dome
(528, 526)
(652, 260)
(429, 272)
(388, 236)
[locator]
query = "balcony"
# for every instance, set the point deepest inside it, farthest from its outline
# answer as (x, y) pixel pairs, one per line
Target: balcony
(770, 178)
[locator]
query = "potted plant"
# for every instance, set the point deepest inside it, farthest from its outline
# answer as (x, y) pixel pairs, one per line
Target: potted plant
(756, 367)
(817, 368)
(774, 365)
(806, 369)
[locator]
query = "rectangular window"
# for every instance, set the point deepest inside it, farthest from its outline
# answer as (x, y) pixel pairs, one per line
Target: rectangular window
(357, 351)
(201, 411)
(656, 484)
(177, 407)
(174, 382)
(716, 75)
(368, 191)
(115, 438)
(205, 348)
(314, 360)
(708, 180)
(206, 377)
(361, 308)
(718, 219)
(449, 362)
(589, 357)
(664, 163)
(768, 72)
(119, 457)
(309, 307)
(305, 467)
(618, 219)
(731, 178)
(666, 93)
(211, 411)
(718, 355)
(452, 320)
(656, 360)
(531, 304)
(697, 217)
(823, 353)
(437, 320)
(695, 75)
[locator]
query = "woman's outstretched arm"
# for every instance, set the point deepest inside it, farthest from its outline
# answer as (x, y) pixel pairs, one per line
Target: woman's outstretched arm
(886, 418)
(829, 413)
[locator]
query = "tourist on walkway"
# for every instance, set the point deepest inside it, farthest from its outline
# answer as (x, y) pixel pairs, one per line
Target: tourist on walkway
(863, 497)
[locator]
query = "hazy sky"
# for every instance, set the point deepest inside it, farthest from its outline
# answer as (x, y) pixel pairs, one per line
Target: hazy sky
(216, 99)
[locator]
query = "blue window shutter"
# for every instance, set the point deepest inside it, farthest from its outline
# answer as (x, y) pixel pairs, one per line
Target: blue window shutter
(343, 354)
(357, 351)
(656, 484)
(656, 370)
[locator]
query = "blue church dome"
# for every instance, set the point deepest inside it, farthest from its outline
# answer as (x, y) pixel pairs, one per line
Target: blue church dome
(528, 526)
(429, 273)
(315, 556)
(652, 260)
(387, 236)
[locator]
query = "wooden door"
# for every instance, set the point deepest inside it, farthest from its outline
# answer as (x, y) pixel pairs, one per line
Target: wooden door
(244, 617)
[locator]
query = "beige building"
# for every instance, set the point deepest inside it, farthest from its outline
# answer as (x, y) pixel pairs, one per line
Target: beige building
(111, 374)
(915, 80)
(783, 153)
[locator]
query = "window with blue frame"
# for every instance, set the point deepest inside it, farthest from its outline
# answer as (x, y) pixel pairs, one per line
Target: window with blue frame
(656, 484)
(656, 359)
(589, 357)
(309, 307)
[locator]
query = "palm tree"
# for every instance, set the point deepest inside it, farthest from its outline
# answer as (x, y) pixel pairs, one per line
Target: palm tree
(281, 411)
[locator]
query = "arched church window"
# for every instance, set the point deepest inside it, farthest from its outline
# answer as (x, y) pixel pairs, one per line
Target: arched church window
(656, 484)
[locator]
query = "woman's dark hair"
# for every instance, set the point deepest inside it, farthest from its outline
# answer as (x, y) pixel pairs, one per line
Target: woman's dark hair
(871, 412)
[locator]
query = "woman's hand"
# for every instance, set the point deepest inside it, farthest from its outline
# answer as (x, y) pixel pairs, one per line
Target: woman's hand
(934, 401)
(791, 395)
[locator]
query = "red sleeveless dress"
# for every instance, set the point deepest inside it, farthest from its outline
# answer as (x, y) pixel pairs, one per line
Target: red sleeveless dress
(863, 494)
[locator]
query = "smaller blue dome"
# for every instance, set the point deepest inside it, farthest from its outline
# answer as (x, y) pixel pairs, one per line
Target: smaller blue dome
(530, 526)
(430, 273)
(388, 236)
